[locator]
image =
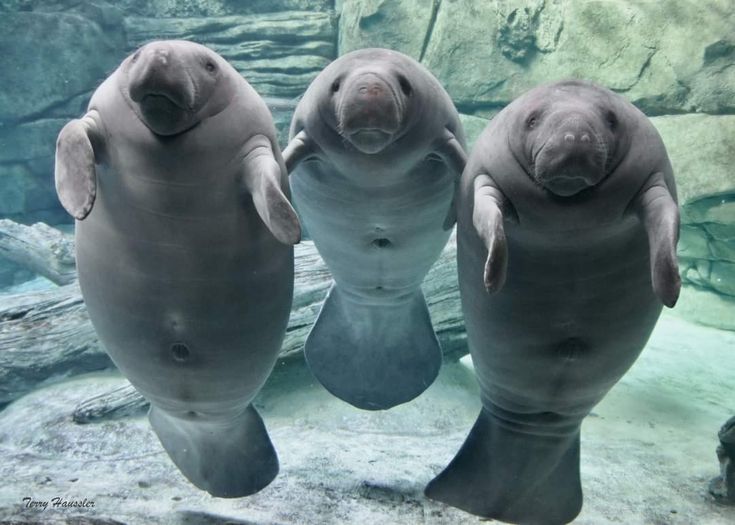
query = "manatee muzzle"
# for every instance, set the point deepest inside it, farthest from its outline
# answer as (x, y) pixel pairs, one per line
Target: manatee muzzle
(369, 113)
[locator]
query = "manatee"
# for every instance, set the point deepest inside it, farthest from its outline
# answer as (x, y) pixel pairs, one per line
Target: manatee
(376, 151)
(566, 247)
(183, 236)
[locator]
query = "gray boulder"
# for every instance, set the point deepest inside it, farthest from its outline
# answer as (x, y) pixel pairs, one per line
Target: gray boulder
(667, 57)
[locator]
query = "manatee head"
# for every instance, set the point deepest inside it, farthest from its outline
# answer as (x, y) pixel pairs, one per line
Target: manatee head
(568, 136)
(368, 99)
(173, 85)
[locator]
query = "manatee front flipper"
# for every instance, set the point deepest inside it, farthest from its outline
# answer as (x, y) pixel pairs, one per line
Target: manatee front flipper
(299, 148)
(75, 176)
(229, 458)
(487, 218)
(454, 156)
(519, 468)
(659, 213)
(373, 355)
(262, 179)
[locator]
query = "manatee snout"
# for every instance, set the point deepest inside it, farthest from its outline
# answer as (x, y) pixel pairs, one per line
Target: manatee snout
(369, 112)
(156, 71)
(169, 85)
(573, 156)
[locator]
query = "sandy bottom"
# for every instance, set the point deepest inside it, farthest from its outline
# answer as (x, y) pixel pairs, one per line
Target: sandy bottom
(648, 450)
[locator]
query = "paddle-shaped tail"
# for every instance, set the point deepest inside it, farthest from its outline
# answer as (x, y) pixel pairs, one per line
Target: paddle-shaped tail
(515, 468)
(229, 458)
(373, 354)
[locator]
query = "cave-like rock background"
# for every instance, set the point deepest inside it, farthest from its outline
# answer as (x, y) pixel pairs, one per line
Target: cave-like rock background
(674, 59)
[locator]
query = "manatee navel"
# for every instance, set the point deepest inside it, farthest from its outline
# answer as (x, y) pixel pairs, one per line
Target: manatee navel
(180, 352)
(571, 348)
(381, 242)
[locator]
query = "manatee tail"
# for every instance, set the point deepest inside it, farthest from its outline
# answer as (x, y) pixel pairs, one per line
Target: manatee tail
(227, 458)
(513, 471)
(373, 356)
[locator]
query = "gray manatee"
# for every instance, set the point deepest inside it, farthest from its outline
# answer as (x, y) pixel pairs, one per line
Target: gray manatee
(183, 236)
(569, 188)
(376, 151)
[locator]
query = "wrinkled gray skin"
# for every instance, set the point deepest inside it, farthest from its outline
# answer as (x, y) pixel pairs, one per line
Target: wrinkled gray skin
(571, 189)
(375, 154)
(183, 238)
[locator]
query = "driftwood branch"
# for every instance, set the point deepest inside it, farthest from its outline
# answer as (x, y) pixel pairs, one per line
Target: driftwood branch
(47, 336)
(39, 248)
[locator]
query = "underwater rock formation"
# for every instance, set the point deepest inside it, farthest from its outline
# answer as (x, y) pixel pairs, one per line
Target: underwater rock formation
(723, 486)
(665, 57)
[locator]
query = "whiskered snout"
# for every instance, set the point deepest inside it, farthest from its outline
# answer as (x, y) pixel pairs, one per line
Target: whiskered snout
(156, 71)
(573, 159)
(369, 113)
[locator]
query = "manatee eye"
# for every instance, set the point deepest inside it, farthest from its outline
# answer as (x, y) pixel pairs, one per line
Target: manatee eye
(209, 66)
(531, 121)
(335, 86)
(405, 85)
(136, 56)
(612, 120)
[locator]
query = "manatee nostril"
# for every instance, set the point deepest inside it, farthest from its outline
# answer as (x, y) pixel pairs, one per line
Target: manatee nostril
(180, 352)
(569, 137)
(585, 138)
(381, 242)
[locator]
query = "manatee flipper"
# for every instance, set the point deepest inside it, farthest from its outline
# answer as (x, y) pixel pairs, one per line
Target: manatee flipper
(299, 148)
(373, 356)
(262, 179)
(454, 156)
(487, 218)
(659, 213)
(74, 173)
(512, 470)
(229, 458)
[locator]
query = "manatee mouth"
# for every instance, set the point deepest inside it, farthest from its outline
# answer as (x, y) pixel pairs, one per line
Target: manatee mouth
(370, 140)
(156, 102)
(164, 115)
(566, 186)
(566, 173)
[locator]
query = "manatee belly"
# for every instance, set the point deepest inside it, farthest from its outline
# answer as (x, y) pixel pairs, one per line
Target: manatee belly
(192, 309)
(376, 240)
(566, 326)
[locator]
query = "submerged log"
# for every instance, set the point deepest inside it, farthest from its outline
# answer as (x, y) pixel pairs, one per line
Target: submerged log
(47, 336)
(119, 403)
(40, 248)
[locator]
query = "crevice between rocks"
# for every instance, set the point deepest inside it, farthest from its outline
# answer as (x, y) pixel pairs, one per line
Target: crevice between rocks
(430, 29)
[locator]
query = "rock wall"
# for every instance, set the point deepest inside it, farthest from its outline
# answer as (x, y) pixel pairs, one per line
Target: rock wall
(55, 53)
(672, 59)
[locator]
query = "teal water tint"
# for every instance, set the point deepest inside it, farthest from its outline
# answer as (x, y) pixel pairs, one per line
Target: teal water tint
(648, 455)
